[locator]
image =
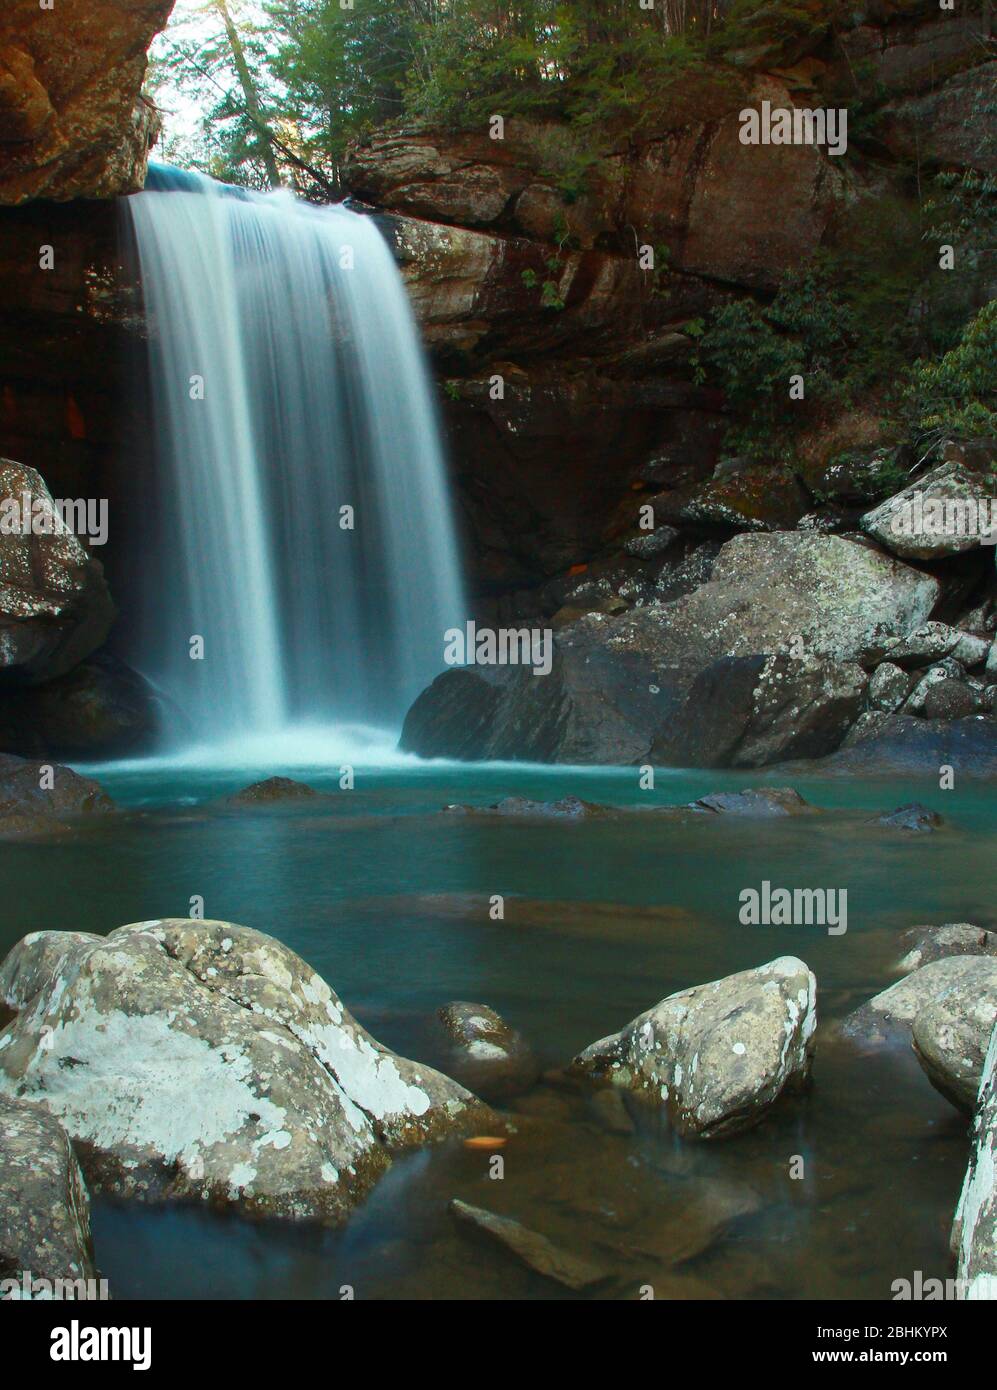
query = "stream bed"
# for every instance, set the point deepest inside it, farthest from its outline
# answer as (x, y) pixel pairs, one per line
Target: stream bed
(388, 898)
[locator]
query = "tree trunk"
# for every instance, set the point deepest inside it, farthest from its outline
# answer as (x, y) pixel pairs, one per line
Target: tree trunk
(253, 108)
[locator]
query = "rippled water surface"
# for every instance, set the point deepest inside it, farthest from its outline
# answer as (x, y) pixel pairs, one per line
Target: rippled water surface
(388, 898)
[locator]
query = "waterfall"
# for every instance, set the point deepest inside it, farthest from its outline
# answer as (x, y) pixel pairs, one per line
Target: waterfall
(305, 568)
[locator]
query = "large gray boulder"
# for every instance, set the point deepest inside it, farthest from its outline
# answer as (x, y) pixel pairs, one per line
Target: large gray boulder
(760, 664)
(44, 1207)
(716, 1056)
(201, 1059)
(55, 608)
(974, 1233)
(889, 1016)
(937, 515)
(951, 1033)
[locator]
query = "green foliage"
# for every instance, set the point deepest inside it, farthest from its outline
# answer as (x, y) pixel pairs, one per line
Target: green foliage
(751, 351)
(956, 396)
(788, 27)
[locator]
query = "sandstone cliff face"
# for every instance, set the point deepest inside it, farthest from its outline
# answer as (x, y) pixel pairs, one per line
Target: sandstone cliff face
(564, 358)
(72, 122)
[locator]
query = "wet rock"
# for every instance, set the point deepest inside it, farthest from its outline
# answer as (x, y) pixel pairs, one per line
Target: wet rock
(44, 798)
(75, 124)
(716, 1056)
(756, 802)
(889, 687)
(809, 606)
(205, 1060)
(271, 791)
(529, 1247)
(55, 608)
(930, 642)
(913, 816)
(922, 945)
(974, 1231)
(887, 1018)
(486, 1054)
(951, 1033)
(101, 709)
(44, 1206)
(898, 744)
(906, 523)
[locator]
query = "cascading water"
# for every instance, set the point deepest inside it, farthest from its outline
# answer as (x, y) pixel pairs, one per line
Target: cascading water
(306, 535)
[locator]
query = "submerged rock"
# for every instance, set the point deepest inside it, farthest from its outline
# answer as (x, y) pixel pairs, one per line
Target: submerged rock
(889, 1016)
(44, 1207)
(974, 1233)
(567, 808)
(486, 1054)
(702, 1213)
(755, 802)
(913, 816)
(925, 944)
(530, 1247)
(951, 1033)
(717, 1056)
(201, 1059)
(271, 790)
(45, 799)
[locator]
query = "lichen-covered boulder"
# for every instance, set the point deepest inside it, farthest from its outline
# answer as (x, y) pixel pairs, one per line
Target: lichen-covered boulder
(942, 513)
(717, 1056)
(44, 1207)
(765, 657)
(974, 1233)
(950, 1035)
(55, 608)
(889, 686)
(201, 1059)
(933, 641)
(888, 1017)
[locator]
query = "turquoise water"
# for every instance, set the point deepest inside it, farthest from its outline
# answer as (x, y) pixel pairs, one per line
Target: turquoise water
(388, 898)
